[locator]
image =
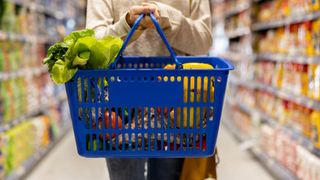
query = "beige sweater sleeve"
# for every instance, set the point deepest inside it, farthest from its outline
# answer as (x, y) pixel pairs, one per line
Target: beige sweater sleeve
(100, 15)
(191, 35)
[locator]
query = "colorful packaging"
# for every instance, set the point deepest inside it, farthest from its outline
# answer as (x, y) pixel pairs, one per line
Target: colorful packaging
(315, 128)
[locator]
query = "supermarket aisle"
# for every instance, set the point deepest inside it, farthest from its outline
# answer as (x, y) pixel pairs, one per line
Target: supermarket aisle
(235, 163)
(63, 163)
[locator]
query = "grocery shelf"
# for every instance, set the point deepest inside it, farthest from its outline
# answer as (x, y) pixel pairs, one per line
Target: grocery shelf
(297, 136)
(20, 73)
(238, 9)
(301, 59)
(290, 131)
(21, 37)
(5, 127)
(39, 8)
(275, 168)
(32, 162)
(242, 82)
(238, 32)
(237, 56)
(300, 99)
(285, 21)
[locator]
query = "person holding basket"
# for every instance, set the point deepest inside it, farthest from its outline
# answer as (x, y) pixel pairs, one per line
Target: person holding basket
(187, 26)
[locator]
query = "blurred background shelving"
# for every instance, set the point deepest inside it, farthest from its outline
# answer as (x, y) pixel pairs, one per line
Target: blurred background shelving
(274, 94)
(33, 111)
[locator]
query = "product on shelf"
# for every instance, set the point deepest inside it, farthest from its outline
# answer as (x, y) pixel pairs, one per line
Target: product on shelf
(285, 150)
(299, 79)
(242, 121)
(315, 128)
(279, 9)
(294, 39)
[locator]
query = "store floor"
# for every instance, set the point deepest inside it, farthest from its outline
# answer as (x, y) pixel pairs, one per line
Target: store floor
(63, 163)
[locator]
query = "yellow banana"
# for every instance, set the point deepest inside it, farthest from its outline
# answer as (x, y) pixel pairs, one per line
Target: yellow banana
(192, 92)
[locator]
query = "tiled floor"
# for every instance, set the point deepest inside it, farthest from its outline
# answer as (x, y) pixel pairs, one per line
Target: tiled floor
(63, 163)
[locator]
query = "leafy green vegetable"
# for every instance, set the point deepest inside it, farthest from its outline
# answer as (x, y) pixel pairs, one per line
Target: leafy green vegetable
(80, 50)
(61, 72)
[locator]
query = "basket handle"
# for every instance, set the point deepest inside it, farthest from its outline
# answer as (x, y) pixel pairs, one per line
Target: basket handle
(164, 39)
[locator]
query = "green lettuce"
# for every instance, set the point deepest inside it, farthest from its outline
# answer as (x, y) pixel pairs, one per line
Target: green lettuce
(80, 50)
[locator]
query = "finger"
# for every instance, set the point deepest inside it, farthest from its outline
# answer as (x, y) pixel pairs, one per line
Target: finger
(137, 10)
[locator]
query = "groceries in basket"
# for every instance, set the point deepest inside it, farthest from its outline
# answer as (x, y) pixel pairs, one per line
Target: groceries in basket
(80, 50)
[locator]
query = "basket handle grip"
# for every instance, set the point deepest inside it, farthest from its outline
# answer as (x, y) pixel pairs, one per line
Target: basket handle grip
(164, 39)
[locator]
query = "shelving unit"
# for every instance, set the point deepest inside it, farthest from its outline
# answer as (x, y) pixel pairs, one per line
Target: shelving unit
(24, 40)
(243, 78)
(31, 163)
(272, 166)
(308, 102)
(238, 33)
(285, 21)
(289, 58)
(238, 9)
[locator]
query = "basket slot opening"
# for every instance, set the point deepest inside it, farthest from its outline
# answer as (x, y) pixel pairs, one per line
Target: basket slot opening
(198, 89)
(145, 144)
(211, 113)
(100, 116)
(108, 143)
(206, 116)
(185, 89)
(119, 116)
(204, 142)
(90, 118)
(185, 141)
(205, 89)
(94, 118)
(178, 142)
(192, 141)
(192, 89)
(196, 118)
(80, 114)
(85, 90)
(131, 118)
(88, 142)
(133, 142)
(115, 142)
(101, 142)
(152, 142)
(157, 118)
(104, 90)
(146, 118)
(79, 90)
(159, 140)
(139, 142)
(94, 143)
(166, 143)
(198, 142)
(212, 80)
(87, 118)
(139, 118)
(172, 143)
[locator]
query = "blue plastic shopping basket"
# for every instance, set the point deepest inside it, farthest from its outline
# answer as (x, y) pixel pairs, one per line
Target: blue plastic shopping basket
(138, 109)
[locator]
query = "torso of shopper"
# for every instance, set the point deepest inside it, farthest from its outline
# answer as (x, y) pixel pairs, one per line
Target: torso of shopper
(186, 24)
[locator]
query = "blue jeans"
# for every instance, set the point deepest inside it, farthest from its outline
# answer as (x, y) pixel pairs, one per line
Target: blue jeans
(134, 169)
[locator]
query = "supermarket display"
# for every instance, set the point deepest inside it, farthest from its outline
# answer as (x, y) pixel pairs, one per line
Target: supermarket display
(274, 92)
(33, 114)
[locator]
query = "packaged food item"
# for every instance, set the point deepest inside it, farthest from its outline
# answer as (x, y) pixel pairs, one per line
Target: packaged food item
(315, 128)
(316, 37)
(304, 79)
(315, 5)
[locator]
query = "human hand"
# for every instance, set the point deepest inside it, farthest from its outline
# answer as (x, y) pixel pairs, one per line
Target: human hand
(145, 8)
